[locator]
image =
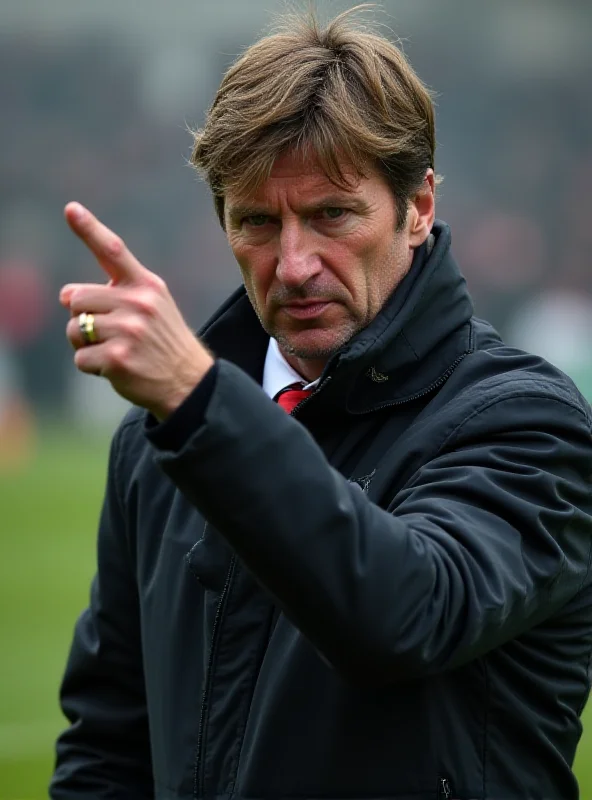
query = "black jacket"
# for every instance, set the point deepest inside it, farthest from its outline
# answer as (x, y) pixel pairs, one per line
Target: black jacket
(387, 597)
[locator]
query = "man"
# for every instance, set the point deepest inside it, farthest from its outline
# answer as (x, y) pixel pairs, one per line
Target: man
(384, 593)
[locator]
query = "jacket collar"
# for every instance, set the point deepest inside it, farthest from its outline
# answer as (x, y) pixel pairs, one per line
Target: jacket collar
(410, 347)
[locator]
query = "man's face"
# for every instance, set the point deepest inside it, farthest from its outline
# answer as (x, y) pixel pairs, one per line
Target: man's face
(318, 261)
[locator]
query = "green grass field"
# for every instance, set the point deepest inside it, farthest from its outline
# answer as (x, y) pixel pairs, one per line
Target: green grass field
(48, 517)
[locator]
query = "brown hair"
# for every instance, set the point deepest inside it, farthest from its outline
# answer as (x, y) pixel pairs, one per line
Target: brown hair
(336, 91)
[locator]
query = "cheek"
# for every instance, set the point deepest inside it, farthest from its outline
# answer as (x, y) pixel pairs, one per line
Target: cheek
(378, 271)
(257, 270)
(391, 268)
(356, 267)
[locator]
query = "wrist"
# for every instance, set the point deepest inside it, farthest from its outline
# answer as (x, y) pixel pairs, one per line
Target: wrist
(177, 394)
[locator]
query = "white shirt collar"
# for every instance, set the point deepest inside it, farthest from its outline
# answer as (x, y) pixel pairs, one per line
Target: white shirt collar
(277, 373)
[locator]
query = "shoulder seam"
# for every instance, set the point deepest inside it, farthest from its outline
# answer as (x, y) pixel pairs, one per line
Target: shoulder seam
(555, 389)
(486, 404)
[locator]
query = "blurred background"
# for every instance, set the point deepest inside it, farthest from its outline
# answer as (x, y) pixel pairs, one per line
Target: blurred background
(95, 104)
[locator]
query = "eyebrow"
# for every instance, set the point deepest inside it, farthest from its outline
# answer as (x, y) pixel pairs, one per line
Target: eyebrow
(329, 201)
(237, 212)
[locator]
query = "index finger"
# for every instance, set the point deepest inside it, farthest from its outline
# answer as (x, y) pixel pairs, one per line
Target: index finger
(109, 249)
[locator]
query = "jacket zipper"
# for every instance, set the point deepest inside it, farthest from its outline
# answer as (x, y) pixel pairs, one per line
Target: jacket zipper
(432, 387)
(308, 399)
(444, 790)
(199, 770)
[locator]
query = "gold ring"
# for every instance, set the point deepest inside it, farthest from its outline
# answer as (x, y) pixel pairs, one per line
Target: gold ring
(86, 323)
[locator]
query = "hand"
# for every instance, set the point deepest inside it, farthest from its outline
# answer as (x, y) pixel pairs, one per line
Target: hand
(144, 347)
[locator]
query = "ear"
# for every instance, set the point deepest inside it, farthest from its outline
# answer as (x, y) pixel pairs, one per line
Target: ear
(422, 211)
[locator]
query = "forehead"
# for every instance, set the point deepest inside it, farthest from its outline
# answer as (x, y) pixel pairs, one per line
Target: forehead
(303, 178)
(291, 165)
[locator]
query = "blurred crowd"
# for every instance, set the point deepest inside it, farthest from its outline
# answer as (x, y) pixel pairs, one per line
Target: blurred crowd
(97, 118)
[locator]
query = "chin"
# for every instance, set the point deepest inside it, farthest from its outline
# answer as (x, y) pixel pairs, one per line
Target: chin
(311, 344)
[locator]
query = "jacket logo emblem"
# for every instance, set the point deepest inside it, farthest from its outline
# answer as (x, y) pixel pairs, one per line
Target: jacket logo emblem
(377, 377)
(364, 481)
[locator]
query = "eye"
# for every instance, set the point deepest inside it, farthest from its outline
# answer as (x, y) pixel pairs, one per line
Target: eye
(333, 212)
(256, 220)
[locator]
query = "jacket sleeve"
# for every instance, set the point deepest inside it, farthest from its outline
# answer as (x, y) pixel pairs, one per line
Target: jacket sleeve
(487, 539)
(105, 753)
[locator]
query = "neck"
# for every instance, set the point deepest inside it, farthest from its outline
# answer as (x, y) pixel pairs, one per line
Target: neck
(310, 369)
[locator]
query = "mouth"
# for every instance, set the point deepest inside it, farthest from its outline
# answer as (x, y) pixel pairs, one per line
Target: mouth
(306, 309)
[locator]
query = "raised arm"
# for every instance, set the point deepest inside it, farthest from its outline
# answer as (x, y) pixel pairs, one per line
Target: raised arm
(489, 537)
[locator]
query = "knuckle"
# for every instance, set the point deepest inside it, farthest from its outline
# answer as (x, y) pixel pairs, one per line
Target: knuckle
(157, 283)
(134, 327)
(73, 333)
(146, 301)
(76, 299)
(114, 247)
(117, 357)
(80, 358)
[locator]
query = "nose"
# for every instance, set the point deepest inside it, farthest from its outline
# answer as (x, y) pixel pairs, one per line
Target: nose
(298, 259)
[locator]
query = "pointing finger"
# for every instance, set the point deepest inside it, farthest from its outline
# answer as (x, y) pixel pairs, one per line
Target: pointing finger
(110, 250)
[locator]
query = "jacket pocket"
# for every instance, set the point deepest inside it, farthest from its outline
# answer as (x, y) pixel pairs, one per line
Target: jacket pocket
(209, 559)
